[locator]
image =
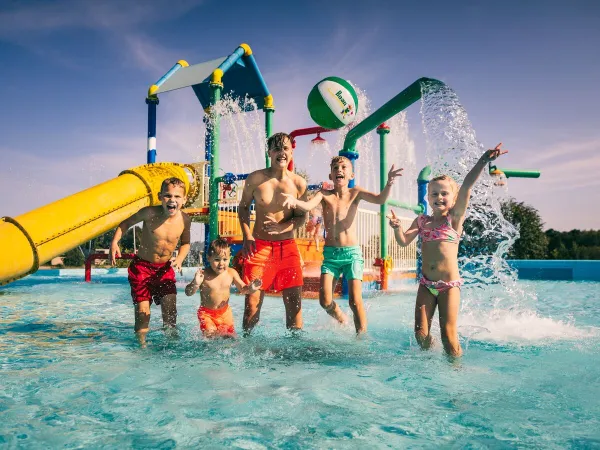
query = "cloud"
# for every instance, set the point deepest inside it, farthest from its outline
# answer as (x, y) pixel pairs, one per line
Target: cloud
(120, 22)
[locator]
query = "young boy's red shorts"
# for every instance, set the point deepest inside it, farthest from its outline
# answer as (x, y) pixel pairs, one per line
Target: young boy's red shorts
(150, 281)
(217, 321)
(276, 263)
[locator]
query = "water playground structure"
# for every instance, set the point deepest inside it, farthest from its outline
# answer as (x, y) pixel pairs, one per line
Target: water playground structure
(36, 237)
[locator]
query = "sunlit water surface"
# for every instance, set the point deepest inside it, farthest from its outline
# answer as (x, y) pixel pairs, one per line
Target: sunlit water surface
(73, 375)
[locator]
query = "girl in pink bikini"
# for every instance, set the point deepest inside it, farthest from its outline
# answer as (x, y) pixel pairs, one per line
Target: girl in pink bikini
(440, 281)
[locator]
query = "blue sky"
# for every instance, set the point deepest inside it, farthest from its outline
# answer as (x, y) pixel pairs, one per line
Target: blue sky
(75, 74)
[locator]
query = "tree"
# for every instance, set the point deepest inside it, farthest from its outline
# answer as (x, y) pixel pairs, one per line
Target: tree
(532, 242)
(74, 258)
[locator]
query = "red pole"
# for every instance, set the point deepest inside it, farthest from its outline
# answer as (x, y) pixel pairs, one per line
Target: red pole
(304, 132)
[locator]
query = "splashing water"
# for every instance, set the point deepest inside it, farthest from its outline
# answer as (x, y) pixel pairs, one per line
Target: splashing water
(366, 173)
(452, 149)
(401, 153)
(242, 135)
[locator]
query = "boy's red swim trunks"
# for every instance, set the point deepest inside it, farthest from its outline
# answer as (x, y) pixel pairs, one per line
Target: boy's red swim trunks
(276, 263)
(218, 321)
(150, 281)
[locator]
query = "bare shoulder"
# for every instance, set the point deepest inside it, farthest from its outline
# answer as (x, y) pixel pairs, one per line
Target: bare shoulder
(299, 181)
(149, 212)
(257, 176)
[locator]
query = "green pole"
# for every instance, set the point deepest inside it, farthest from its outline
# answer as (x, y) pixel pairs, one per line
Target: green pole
(268, 131)
(400, 102)
(516, 173)
(213, 207)
(383, 130)
(417, 209)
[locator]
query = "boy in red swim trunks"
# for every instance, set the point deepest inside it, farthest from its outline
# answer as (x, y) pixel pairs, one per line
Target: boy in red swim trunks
(270, 251)
(214, 314)
(151, 274)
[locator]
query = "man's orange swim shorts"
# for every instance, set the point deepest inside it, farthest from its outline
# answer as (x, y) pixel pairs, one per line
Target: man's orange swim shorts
(216, 321)
(276, 263)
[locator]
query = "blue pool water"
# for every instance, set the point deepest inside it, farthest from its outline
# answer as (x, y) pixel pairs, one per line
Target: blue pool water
(74, 377)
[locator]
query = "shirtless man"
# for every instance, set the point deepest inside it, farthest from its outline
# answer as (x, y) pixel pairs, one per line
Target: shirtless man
(270, 251)
(151, 274)
(341, 253)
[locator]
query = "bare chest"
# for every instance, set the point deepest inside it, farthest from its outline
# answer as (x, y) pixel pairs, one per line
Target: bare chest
(268, 194)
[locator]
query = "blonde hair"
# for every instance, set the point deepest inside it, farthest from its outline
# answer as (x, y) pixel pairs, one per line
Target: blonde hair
(339, 159)
(449, 179)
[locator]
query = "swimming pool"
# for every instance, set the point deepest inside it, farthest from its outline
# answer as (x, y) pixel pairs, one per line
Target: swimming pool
(73, 375)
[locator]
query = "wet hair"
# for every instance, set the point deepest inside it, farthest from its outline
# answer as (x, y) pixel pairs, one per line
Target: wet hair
(453, 184)
(278, 140)
(339, 159)
(217, 246)
(173, 181)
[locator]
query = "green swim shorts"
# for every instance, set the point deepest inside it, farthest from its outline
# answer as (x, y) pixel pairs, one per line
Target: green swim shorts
(346, 260)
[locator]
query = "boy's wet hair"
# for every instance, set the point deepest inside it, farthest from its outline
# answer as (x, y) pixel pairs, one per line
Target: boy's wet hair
(173, 181)
(217, 246)
(339, 159)
(278, 140)
(448, 178)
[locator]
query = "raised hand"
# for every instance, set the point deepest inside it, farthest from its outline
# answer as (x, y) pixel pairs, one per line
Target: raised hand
(199, 276)
(492, 154)
(290, 201)
(394, 221)
(393, 173)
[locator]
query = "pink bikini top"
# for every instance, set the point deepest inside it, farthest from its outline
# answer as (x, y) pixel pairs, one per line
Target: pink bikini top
(444, 232)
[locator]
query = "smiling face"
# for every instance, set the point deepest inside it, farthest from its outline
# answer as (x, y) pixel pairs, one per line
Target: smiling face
(341, 171)
(219, 261)
(281, 152)
(172, 198)
(441, 195)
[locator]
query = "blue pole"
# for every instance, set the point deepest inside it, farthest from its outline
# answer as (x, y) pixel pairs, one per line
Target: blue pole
(151, 156)
(422, 182)
(352, 156)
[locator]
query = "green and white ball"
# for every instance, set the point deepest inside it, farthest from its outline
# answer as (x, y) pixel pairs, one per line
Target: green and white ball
(333, 103)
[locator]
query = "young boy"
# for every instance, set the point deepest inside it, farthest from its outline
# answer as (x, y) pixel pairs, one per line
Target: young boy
(342, 254)
(214, 313)
(270, 251)
(151, 274)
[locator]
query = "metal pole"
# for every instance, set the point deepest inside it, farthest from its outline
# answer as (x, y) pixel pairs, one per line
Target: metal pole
(213, 207)
(269, 110)
(151, 101)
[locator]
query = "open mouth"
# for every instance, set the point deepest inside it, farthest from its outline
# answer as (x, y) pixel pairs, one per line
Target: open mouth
(171, 208)
(281, 159)
(339, 177)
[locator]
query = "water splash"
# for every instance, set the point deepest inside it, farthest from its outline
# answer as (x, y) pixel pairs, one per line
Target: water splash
(242, 135)
(453, 149)
(366, 172)
(401, 152)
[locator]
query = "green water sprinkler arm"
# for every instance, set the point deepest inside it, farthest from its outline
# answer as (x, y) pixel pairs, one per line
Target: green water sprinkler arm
(424, 174)
(417, 209)
(400, 102)
(516, 173)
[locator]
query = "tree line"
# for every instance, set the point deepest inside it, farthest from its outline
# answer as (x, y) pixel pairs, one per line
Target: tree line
(535, 243)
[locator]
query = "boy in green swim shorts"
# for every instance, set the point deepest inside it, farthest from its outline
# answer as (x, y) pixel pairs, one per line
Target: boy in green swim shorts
(342, 254)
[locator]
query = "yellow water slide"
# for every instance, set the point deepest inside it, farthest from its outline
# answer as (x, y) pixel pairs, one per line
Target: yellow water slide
(38, 236)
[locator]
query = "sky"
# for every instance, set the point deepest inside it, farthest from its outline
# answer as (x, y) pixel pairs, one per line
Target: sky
(75, 74)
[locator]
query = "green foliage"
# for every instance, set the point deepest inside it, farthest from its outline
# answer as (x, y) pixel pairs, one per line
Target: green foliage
(74, 258)
(574, 244)
(532, 242)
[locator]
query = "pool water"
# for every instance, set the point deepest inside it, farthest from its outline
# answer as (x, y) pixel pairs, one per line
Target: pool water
(73, 375)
